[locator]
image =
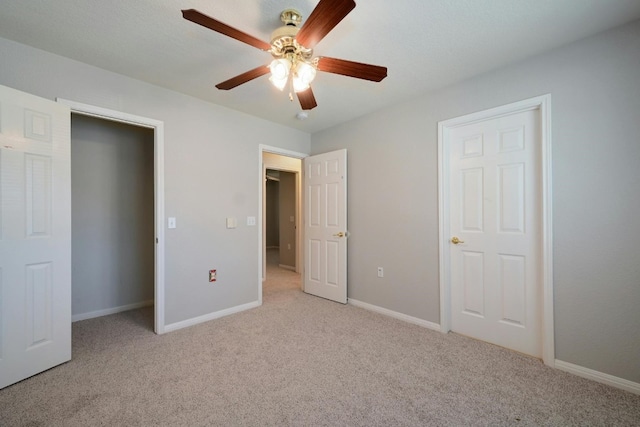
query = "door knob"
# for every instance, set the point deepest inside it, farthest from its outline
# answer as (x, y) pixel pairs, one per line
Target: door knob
(340, 234)
(455, 240)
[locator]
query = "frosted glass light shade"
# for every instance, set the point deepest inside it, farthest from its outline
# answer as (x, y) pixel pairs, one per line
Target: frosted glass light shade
(279, 72)
(304, 75)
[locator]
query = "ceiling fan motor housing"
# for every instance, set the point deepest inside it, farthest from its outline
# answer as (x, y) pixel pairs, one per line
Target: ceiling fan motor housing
(283, 39)
(291, 17)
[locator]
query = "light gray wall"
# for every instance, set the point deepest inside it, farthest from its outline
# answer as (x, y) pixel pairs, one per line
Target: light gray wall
(211, 172)
(112, 214)
(393, 217)
(287, 201)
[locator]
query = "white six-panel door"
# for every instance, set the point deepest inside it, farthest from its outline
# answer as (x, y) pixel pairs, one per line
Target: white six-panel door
(35, 235)
(325, 225)
(495, 208)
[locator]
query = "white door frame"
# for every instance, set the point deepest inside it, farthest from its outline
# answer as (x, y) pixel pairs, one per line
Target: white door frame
(262, 148)
(543, 104)
(158, 140)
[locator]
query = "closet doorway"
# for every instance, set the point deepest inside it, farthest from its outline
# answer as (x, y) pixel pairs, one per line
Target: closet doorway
(154, 190)
(112, 188)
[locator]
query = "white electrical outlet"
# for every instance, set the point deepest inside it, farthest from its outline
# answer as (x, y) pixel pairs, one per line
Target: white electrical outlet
(380, 272)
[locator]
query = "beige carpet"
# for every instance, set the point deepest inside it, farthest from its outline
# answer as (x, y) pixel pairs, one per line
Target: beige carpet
(301, 361)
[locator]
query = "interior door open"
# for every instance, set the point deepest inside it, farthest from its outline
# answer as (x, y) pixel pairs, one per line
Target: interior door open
(325, 225)
(35, 235)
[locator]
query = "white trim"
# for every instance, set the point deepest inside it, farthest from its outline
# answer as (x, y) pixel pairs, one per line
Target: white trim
(548, 329)
(211, 316)
(262, 148)
(287, 267)
(108, 311)
(394, 314)
(158, 126)
(597, 376)
(543, 104)
(281, 151)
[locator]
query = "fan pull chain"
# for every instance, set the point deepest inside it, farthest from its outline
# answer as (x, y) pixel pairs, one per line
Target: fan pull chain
(290, 88)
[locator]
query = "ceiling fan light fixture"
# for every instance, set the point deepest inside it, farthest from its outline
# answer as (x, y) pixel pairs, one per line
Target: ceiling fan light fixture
(303, 76)
(291, 47)
(280, 69)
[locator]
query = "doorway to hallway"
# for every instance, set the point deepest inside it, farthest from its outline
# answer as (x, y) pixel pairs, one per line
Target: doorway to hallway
(279, 280)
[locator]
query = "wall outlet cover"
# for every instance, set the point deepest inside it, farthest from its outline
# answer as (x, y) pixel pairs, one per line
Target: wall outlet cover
(212, 275)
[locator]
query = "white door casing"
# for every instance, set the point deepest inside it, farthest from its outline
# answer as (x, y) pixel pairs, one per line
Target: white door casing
(325, 225)
(494, 197)
(35, 235)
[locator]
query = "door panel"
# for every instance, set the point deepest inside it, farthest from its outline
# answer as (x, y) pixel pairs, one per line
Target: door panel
(511, 198)
(325, 227)
(473, 282)
(39, 304)
(495, 212)
(35, 235)
(472, 200)
(513, 289)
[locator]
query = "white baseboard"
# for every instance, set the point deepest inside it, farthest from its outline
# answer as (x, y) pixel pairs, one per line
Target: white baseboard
(210, 316)
(108, 311)
(395, 315)
(597, 376)
(287, 267)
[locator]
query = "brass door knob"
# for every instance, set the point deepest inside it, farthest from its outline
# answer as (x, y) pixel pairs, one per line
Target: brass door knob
(455, 240)
(340, 234)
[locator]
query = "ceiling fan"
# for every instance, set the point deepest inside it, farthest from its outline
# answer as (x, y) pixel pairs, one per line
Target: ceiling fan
(292, 49)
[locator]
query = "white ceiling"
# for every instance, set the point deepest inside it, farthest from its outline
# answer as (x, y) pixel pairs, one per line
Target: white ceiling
(426, 44)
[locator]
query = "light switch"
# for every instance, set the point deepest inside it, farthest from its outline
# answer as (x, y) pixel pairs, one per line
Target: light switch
(232, 222)
(292, 218)
(172, 222)
(251, 220)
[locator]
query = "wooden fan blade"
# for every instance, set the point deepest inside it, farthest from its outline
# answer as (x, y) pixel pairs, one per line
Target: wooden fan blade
(326, 15)
(222, 28)
(307, 100)
(358, 70)
(243, 78)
